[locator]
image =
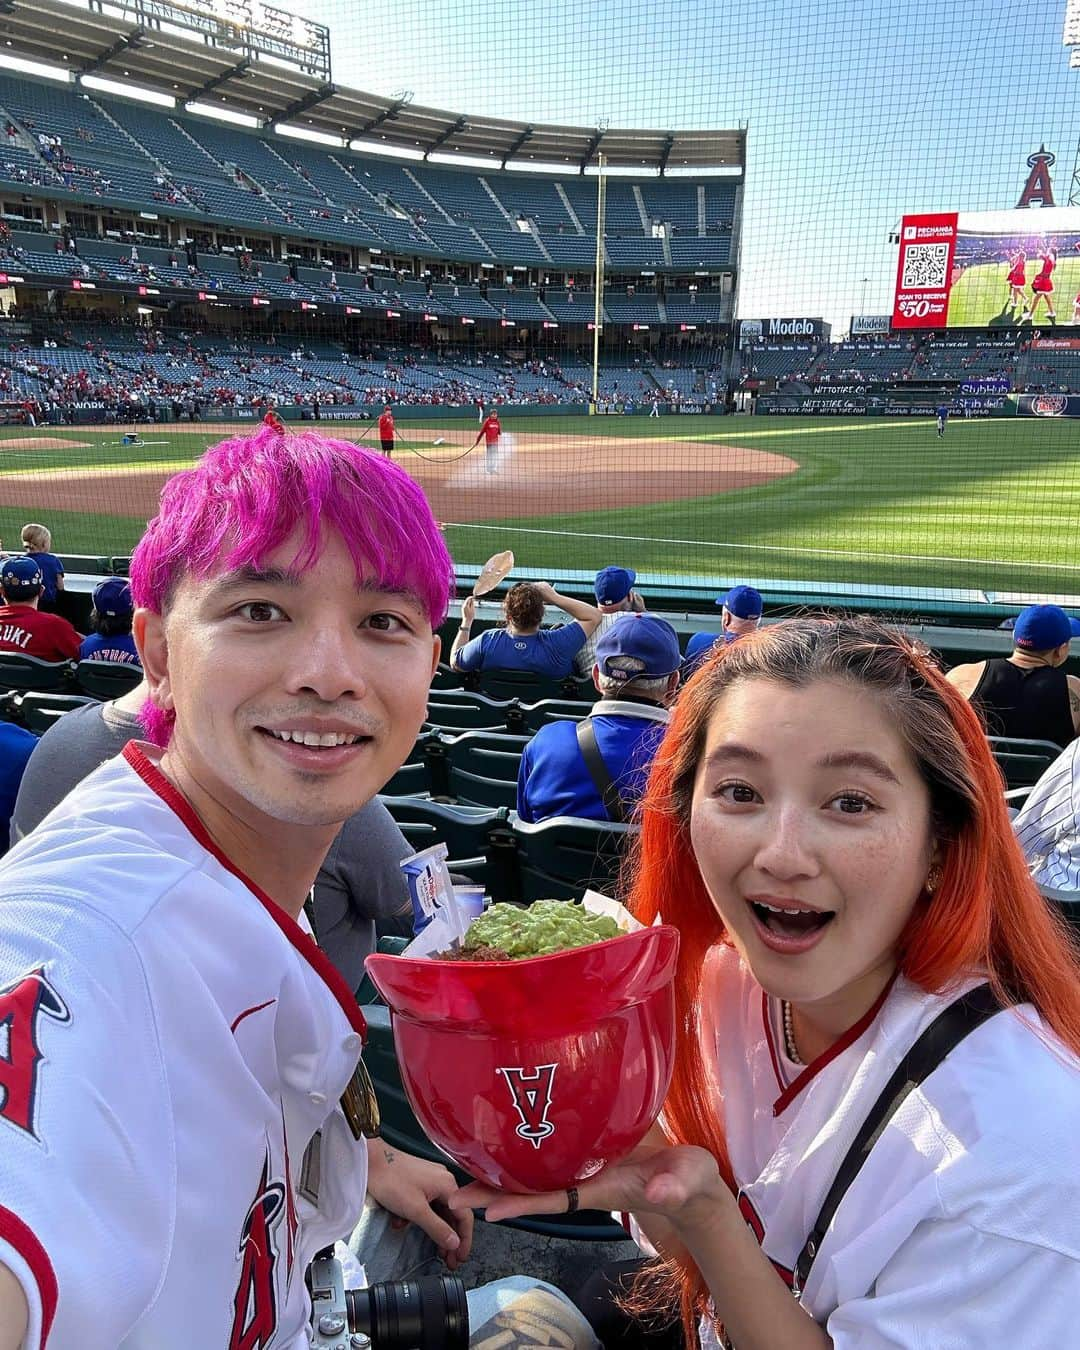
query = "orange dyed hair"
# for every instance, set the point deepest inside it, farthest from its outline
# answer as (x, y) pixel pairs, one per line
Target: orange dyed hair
(986, 915)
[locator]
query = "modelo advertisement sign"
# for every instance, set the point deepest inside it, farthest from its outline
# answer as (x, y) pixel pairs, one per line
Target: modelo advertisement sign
(870, 325)
(768, 330)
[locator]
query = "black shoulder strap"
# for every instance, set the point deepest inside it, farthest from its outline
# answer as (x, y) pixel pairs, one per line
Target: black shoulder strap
(942, 1036)
(598, 771)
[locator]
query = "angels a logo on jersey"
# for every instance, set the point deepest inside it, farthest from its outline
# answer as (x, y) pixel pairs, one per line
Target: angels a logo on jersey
(531, 1091)
(22, 1005)
(255, 1307)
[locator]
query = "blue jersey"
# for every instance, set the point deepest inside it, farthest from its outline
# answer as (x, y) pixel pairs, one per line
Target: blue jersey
(51, 567)
(942, 413)
(16, 746)
(553, 779)
(549, 652)
(120, 647)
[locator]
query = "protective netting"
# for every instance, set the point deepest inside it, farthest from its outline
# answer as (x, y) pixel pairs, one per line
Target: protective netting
(810, 248)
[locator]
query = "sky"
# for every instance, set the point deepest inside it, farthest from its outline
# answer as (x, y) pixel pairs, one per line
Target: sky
(858, 111)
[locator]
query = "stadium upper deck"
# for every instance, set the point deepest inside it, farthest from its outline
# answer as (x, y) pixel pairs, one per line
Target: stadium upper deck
(92, 154)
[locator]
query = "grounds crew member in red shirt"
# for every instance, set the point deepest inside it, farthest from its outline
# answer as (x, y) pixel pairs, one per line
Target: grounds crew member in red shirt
(386, 432)
(491, 431)
(23, 627)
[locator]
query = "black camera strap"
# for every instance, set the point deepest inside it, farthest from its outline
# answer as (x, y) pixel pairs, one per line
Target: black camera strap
(939, 1039)
(598, 771)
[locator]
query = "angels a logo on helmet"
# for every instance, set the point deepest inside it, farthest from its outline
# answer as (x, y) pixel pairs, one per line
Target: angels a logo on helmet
(531, 1092)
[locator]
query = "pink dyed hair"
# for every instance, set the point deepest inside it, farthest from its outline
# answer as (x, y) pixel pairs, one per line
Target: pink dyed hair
(248, 494)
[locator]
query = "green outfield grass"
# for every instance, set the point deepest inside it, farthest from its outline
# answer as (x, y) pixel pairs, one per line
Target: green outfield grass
(995, 505)
(979, 299)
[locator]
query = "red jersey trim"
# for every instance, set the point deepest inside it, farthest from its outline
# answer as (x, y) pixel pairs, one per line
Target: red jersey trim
(837, 1048)
(14, 1231)
(173, 798)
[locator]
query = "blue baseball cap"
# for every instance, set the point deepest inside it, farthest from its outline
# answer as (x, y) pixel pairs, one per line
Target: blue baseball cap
(613, 585)
(699, 644)
(742, 601)
(1074, 624)
(1041, 628)
(644, 637)
(20, 579)
(112, 597)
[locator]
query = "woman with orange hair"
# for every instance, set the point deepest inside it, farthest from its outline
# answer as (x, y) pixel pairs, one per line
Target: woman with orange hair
(826, 826)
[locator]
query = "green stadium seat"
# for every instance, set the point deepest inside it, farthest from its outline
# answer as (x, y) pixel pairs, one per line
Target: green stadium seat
(562, 857)
(477, 768)
(536, 715)
(459, 709)
(465, 830)
(529, 688)
(38, 709)
(1023, 762)
(411, 778)
(107, 679)
(29, 672)
(445, 678)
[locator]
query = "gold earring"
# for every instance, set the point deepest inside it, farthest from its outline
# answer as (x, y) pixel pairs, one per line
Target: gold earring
(933, 879)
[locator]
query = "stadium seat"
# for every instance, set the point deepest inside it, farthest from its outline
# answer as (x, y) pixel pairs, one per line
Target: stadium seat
(529, 688)
(465, 830)
(400, 1129)
(107, 679)
(536, 715)
(562, 857)
(29, 672)
(445, 678)
(411, 778)
(480, 767)
(38, 710)
(1023, 762)
(463, 710)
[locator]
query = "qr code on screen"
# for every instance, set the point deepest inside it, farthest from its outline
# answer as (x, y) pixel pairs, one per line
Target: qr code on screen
(925, 266)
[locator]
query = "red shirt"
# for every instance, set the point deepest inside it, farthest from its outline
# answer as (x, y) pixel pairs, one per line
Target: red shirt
(386, 427)
(491, 429)
(26, 629)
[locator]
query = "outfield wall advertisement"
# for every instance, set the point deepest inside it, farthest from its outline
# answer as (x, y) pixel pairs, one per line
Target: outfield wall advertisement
(989, 269)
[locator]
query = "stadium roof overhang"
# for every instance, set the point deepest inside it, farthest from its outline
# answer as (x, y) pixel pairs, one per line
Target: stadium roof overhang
(130, 44)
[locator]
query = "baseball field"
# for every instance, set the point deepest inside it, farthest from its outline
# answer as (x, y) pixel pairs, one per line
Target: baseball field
(865, 500)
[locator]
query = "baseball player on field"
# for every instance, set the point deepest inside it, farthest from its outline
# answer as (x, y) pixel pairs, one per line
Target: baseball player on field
(491, 434)
(174, 1047)
(870, 1139)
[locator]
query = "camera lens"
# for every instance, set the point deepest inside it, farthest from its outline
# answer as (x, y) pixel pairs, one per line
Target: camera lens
(427, 1314)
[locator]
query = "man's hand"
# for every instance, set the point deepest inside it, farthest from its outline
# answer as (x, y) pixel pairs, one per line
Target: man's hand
(468, 609)
(637, 604)
(416, 1191)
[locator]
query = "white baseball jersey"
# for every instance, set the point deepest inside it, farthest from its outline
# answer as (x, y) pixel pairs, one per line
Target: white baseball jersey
(962, 1230)
(1048, 827)
(173, 1048)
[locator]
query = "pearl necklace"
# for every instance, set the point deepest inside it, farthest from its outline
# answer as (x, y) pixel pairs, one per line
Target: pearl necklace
(790, 1048)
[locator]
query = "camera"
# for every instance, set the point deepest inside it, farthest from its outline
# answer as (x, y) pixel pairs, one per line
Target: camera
(426, 1314)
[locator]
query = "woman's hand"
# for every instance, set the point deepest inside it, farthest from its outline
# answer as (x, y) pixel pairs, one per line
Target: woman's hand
(681, 1185)
(417, 1191)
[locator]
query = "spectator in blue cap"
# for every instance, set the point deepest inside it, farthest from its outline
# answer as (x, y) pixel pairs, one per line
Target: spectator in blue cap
(615, 595)
(596, 769)
(110, 625)
(741, 612)
(1027, 694)
(697, 652)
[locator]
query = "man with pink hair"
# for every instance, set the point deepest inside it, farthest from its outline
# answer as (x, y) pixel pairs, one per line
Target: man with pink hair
(182, 1103)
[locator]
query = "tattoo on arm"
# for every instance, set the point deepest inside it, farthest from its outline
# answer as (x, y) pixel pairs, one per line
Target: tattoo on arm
(389, 1155)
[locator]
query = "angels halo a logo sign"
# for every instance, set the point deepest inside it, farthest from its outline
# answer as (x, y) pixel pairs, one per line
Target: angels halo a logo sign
(531, 1092)
(1049, 405)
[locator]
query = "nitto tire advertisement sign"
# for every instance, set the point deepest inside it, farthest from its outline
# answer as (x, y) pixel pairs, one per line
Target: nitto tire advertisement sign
(924, 271)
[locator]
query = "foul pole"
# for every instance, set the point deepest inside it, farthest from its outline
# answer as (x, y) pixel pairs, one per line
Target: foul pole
(598, 281)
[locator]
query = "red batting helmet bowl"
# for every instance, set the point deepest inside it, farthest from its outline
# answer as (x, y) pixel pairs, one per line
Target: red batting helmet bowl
(535, 1074)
